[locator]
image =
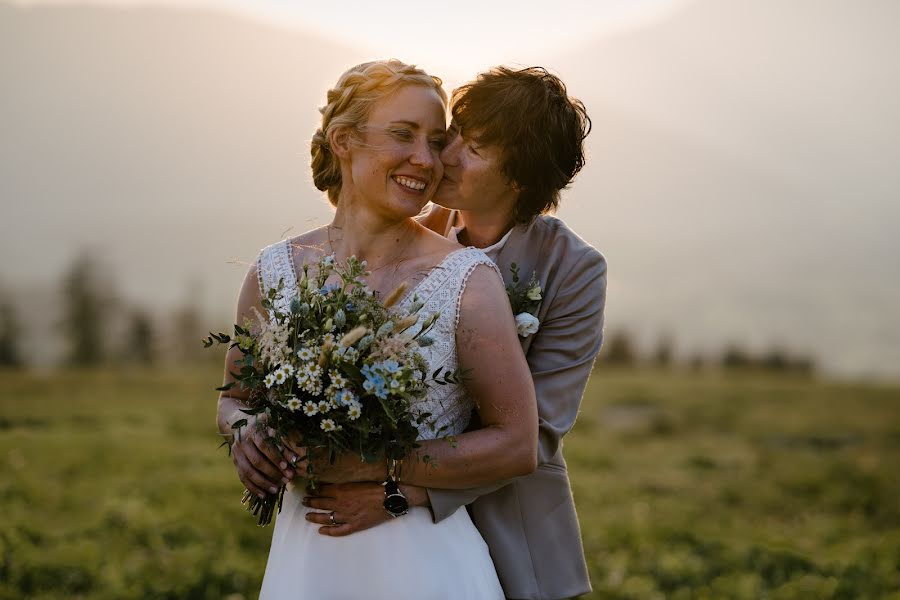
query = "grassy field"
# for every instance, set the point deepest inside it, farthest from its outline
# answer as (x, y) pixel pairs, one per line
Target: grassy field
(710, 486)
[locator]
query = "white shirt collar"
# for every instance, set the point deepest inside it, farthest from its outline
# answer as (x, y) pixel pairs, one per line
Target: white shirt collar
(492, 251)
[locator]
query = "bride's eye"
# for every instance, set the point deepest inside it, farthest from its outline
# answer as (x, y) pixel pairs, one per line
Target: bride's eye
(404, 135)
(438, 143)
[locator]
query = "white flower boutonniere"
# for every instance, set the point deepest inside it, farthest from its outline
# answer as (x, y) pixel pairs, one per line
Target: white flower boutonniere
(526, 324)
(524, 300)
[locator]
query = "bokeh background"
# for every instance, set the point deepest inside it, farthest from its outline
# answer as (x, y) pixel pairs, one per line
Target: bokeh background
(741, 433)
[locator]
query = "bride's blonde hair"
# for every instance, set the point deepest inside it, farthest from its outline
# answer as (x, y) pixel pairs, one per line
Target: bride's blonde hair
(349, 105)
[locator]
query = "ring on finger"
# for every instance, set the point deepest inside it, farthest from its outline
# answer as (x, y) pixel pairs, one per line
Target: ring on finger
(294, 460)
(331, 520)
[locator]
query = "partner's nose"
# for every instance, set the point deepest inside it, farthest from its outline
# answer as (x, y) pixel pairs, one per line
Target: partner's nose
(450, 154)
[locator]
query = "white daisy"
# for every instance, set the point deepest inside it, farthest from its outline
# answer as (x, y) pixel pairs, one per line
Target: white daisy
(337, 378)
(323, 406)
(288, 369)
(313, 387)
(293, 403)
(328, 425)
(270, 380)
(354, 411)
(310, 408)
(280, 376)
(346, 397)
(305, 353)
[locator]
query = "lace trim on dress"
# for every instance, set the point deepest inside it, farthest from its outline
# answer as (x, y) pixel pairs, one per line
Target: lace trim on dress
(275, 264)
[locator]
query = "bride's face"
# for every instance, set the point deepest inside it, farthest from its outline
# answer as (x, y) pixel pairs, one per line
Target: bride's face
(395, 163)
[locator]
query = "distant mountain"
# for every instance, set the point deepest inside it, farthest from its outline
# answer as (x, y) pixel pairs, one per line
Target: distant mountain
(743, 174)
(741, 177)
(168, 140)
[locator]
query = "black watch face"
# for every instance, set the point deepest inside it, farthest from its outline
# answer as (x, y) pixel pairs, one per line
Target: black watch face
(396, 504)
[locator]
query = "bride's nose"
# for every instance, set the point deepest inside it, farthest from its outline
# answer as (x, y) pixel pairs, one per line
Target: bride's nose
(423, 154)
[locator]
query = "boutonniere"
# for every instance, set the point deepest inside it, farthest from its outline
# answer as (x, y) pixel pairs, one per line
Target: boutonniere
(525, 298)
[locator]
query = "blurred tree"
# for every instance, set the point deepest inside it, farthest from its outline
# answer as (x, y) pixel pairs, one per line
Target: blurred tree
(619, 349)
(697, 362)
(735, 357)
(779, 360)
(10, 335)
(188, 325)
(85, 302)
(662, 355)
(140, 341)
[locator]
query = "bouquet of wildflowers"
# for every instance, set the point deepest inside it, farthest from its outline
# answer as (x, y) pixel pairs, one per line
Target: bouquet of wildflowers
(334, 367)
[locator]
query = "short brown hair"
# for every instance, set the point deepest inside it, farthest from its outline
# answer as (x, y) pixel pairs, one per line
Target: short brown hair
(538, 128)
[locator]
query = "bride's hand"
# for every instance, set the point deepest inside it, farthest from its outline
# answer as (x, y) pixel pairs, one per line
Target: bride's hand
(261, 466)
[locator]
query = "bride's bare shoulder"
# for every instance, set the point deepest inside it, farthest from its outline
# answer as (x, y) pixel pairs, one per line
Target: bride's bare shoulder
(436, 243)
(309, 246)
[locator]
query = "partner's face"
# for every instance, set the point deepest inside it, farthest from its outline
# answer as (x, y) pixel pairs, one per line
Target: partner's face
(472, 177)
(396, 166)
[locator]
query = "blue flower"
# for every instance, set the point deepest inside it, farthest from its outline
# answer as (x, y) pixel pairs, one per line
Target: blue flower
(390, 366)
(374, 383)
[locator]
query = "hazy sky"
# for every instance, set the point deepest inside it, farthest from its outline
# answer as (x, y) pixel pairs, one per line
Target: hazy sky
(741, 175)
(453, 38)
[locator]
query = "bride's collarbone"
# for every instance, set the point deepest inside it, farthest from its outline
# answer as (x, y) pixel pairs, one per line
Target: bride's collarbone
(382, 279)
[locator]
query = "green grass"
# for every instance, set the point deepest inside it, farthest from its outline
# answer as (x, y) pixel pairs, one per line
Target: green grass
(712, 486)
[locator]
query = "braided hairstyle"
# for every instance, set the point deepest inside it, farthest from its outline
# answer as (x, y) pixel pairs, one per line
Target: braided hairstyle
(349, 105)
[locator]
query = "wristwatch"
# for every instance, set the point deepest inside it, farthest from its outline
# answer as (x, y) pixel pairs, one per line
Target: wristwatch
(395, 503)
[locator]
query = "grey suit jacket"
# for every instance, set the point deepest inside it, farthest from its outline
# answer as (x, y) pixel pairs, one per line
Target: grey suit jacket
(529, 523)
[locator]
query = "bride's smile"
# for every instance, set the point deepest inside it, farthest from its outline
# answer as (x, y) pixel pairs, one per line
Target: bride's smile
(392, 162)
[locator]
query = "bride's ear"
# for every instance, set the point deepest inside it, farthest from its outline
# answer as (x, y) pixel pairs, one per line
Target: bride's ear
(340, 141)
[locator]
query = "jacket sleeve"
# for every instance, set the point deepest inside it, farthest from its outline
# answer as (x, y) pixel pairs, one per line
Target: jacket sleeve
(561, 357)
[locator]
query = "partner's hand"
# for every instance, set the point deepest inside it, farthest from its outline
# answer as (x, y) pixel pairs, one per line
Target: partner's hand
(356, 506)
(261, 466)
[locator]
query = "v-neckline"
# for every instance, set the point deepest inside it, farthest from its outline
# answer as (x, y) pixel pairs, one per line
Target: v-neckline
(409, 293)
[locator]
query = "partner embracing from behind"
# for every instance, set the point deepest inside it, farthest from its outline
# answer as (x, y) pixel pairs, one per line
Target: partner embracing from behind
(377, 157)
(515, 141)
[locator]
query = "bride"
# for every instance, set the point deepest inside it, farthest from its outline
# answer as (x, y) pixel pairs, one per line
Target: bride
(376, 156)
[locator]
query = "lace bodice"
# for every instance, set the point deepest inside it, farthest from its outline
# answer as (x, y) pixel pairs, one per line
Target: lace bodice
(440, 292)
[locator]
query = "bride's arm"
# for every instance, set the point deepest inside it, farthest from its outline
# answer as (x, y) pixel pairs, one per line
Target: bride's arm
(500, 383)
(505, 445)
(260, 467)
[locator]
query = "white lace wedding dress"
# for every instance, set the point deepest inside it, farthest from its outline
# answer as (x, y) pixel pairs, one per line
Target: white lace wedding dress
(409, 557)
